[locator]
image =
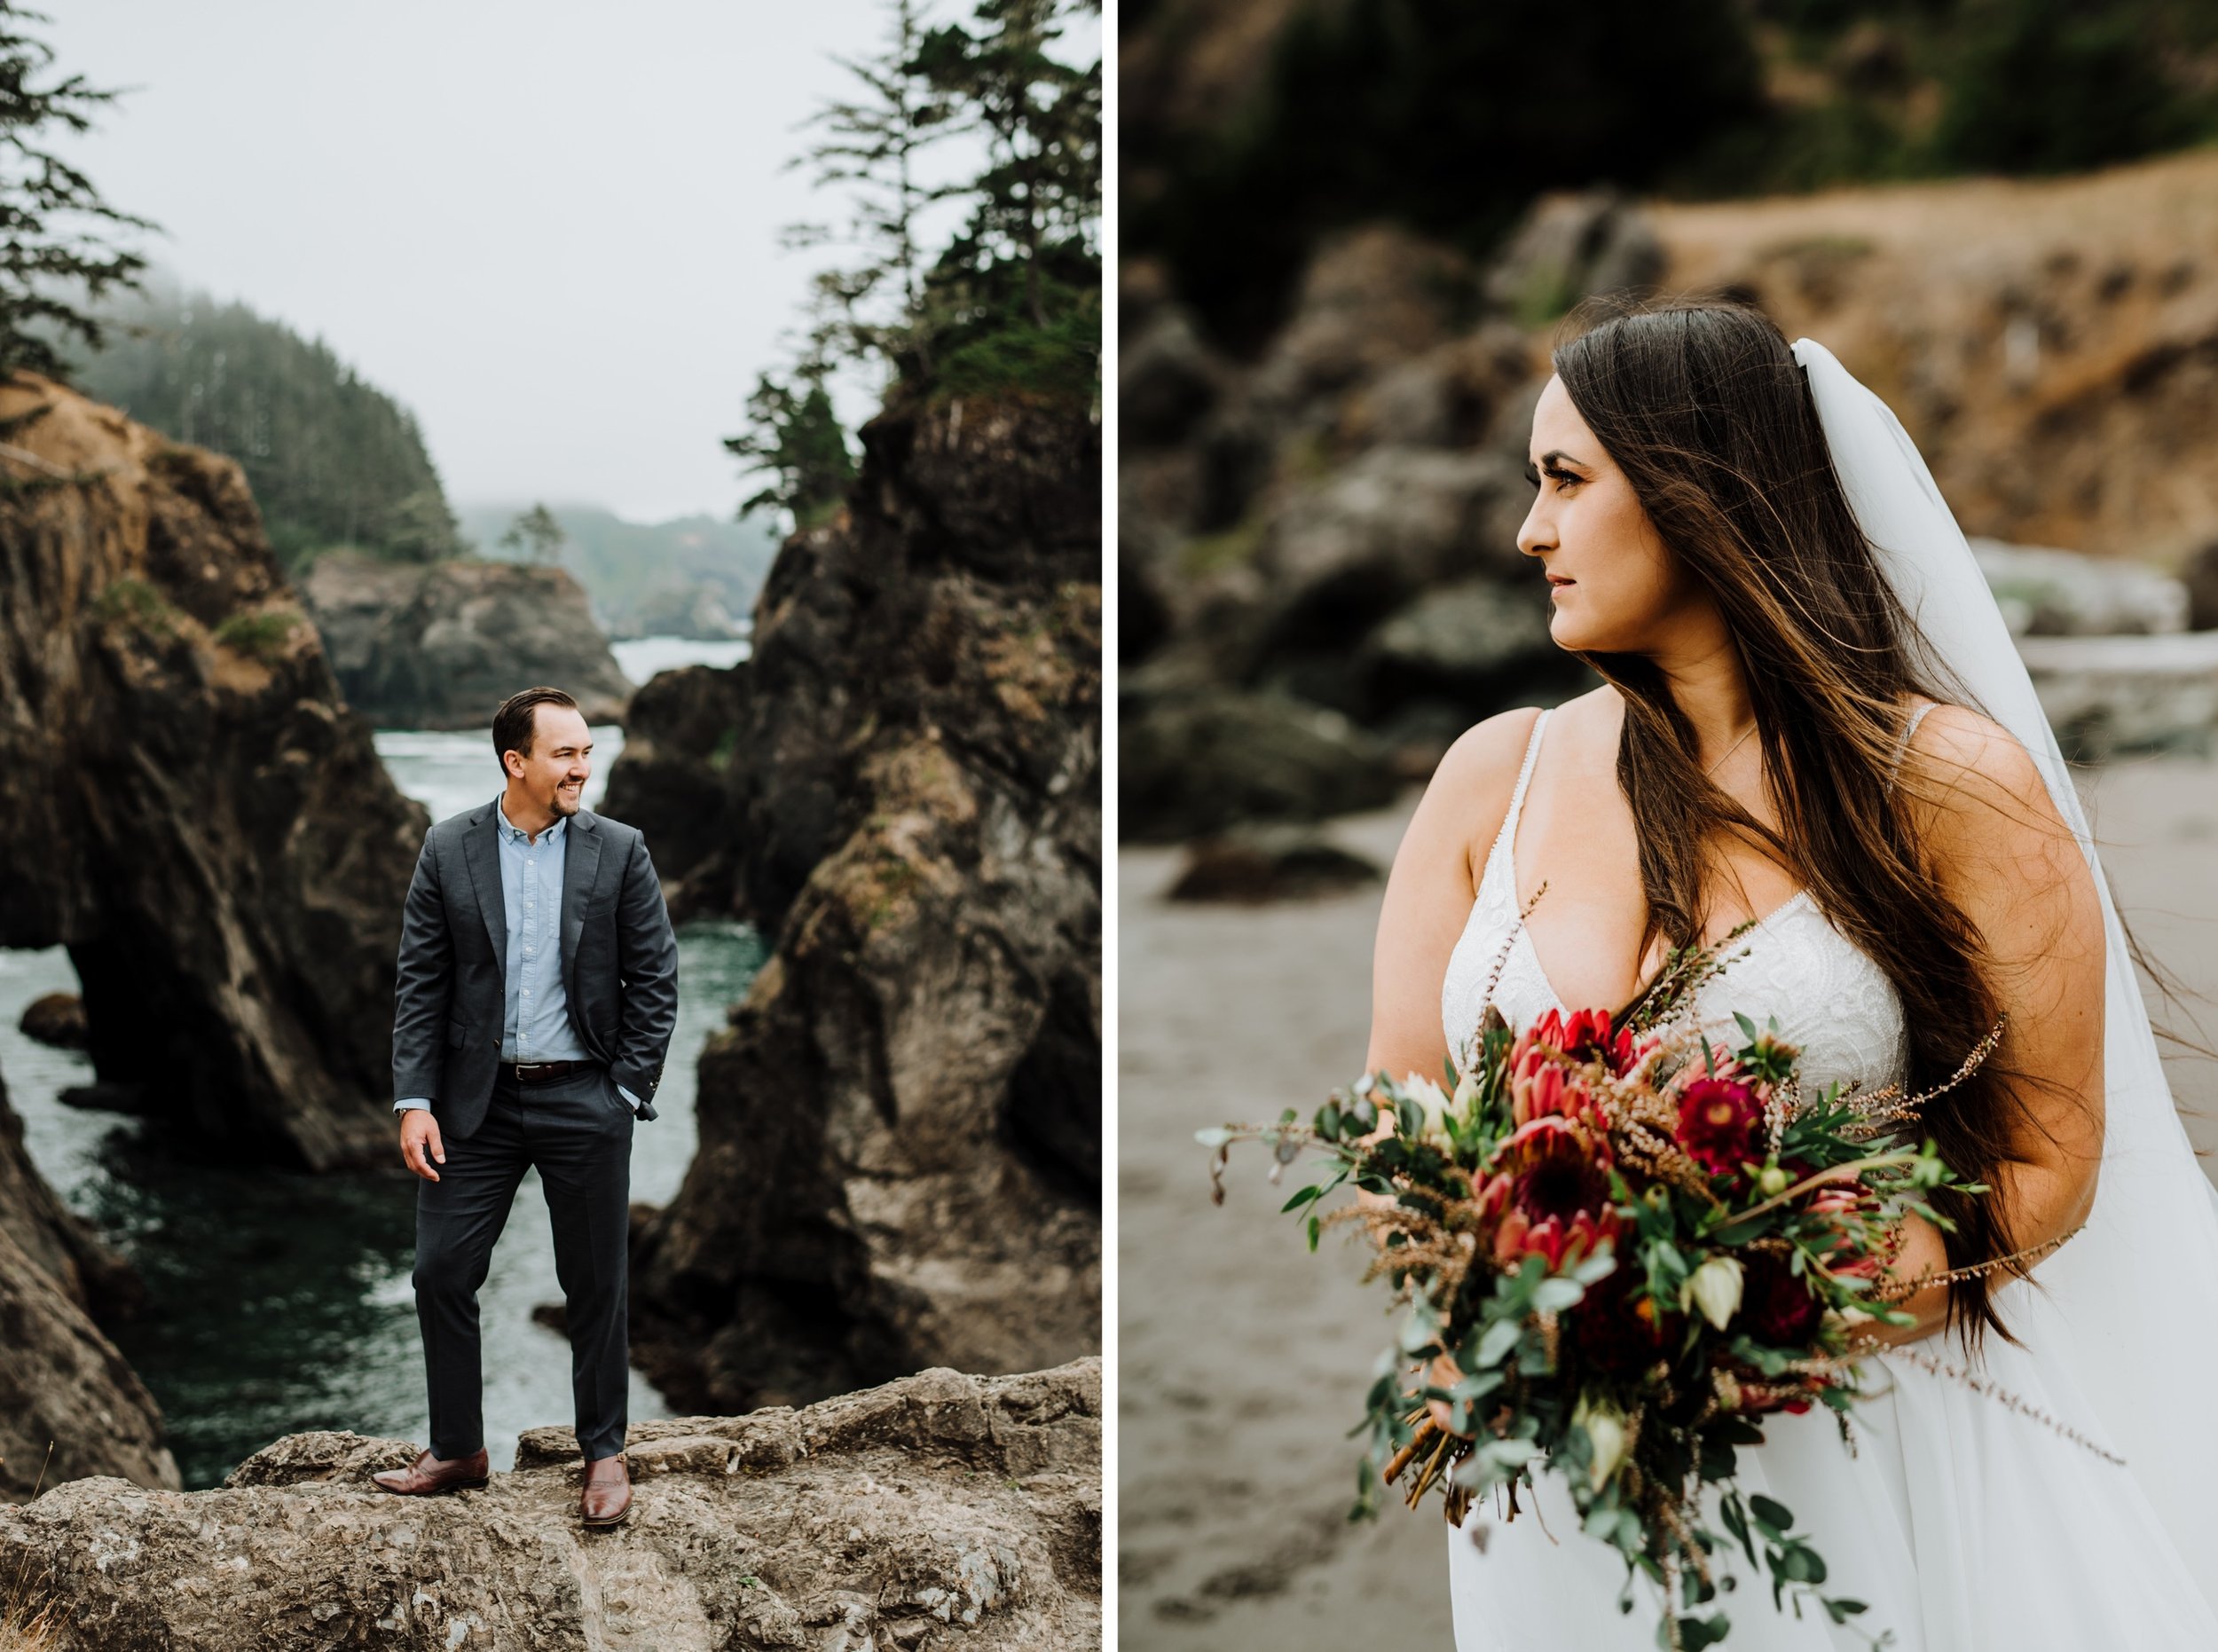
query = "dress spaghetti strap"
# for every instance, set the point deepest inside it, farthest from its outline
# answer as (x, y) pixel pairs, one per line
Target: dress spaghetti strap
(1902, 743)
(1508, 833)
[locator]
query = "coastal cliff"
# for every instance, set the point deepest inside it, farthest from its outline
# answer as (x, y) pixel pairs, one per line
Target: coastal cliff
(186, 803)
(900, 1154)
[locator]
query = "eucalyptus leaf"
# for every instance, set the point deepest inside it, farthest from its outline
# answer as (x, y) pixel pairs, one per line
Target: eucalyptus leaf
(1500, 1337)
(1552, 1296)
(1772, 1514)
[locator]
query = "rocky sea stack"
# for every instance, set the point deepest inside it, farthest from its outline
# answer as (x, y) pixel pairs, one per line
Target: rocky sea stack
(186, 803)
(899, 1162)
(441, 646)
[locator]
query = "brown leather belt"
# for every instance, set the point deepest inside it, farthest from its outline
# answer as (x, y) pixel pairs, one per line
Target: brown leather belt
(544, 1072)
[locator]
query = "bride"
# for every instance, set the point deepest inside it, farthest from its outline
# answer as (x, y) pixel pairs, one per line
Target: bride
(1813, 717)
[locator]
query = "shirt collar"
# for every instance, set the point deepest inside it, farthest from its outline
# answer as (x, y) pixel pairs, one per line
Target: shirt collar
(516, 834)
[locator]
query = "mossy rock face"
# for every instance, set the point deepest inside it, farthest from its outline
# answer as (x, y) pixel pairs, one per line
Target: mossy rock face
(230, 888)
(264, 636)
(901, 1132)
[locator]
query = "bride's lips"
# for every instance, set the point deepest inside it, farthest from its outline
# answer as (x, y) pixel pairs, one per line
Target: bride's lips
(1556, 582)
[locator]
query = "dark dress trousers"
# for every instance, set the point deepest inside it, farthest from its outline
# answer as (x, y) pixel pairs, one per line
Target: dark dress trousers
(619, 979)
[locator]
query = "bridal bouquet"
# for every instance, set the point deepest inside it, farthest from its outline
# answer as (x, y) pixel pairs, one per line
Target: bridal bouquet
(1619, 1249)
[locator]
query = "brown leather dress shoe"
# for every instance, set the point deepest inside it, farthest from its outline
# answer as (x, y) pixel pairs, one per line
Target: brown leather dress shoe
(428, 1474)
(607, 1496)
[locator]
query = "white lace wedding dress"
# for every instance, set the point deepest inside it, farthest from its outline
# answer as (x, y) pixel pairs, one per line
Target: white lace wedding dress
(1964, 1526)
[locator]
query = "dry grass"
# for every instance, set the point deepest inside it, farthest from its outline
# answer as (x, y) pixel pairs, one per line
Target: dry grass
(30, 1617)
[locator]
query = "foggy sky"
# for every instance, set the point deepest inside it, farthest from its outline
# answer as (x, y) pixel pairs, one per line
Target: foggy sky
(547, 227)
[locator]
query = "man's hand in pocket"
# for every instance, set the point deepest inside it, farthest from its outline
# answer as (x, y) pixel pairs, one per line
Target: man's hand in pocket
(420, 1144)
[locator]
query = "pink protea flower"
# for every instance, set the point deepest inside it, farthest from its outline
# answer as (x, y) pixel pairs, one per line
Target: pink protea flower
(1584, 1036)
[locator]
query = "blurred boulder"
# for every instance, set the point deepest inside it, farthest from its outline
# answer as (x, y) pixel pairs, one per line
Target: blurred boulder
(2113, 693)
(1477, 643)
(1371, 298)
(56, 1018)
(2045, 593)
(1381, 529)
(2200, 577)
(1197, 763)
(1449, 396)
(1254, 864)
(1166, 379)
(1573, 247)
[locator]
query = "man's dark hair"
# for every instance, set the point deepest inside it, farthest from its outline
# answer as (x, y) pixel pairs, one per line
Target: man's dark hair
(513, 722)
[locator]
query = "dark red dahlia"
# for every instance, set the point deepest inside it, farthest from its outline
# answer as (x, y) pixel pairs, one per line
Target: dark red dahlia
(1776, 1306)
(1549, 1194)
(1719, 1121)
(1615, 1330)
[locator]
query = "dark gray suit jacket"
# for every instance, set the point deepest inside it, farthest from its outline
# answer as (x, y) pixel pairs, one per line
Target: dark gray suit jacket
(619, 964)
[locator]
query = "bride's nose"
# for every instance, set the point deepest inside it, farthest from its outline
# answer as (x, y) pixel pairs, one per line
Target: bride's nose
(1535, 534)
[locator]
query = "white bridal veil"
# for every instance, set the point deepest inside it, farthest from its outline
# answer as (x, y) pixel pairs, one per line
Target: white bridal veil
(2120, 1325)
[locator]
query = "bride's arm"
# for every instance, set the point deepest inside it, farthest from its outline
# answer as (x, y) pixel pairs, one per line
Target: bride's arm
(1429, 892)
(2007, 859)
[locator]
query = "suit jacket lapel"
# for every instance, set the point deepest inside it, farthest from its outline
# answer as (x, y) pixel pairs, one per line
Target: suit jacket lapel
(481, 850)
(581, 860)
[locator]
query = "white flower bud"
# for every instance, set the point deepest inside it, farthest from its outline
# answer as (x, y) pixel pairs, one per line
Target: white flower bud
(1433, 1101)
(1605, 1427)
(1715, 1288)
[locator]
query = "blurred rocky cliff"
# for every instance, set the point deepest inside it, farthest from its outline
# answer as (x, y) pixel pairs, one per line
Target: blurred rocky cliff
(442, 645)
(900, 1161)
(190, 806)
(1317, 564)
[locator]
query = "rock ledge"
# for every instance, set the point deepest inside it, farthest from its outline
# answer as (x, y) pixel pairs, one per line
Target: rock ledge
(941, 1510)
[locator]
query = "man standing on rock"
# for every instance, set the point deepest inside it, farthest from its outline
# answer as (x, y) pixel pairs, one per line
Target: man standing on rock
(537, 992)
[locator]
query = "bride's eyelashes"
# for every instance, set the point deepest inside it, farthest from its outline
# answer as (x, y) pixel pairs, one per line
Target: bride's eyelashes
(1564, 480)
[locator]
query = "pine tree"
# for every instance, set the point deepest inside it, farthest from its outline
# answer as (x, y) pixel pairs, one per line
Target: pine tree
(871, 145)
(1017, 295)
(54, 260)
(797, 438)
(537, 533)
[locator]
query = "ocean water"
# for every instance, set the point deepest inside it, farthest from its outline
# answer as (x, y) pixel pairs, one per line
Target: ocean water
(282, 1300)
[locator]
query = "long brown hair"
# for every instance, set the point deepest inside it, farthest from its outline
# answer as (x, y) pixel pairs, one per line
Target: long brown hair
(1706, 411)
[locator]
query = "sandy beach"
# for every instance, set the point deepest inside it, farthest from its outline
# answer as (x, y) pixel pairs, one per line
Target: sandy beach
(1244, 1359)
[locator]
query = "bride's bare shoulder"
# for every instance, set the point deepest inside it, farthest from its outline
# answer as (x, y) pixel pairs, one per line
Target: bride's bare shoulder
(1475, 779)
(1977, 779)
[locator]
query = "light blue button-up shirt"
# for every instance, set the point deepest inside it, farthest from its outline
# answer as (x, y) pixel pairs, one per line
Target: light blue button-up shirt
(535, 1022)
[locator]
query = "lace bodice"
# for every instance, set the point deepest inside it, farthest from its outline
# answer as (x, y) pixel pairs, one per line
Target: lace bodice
(1828, 995)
